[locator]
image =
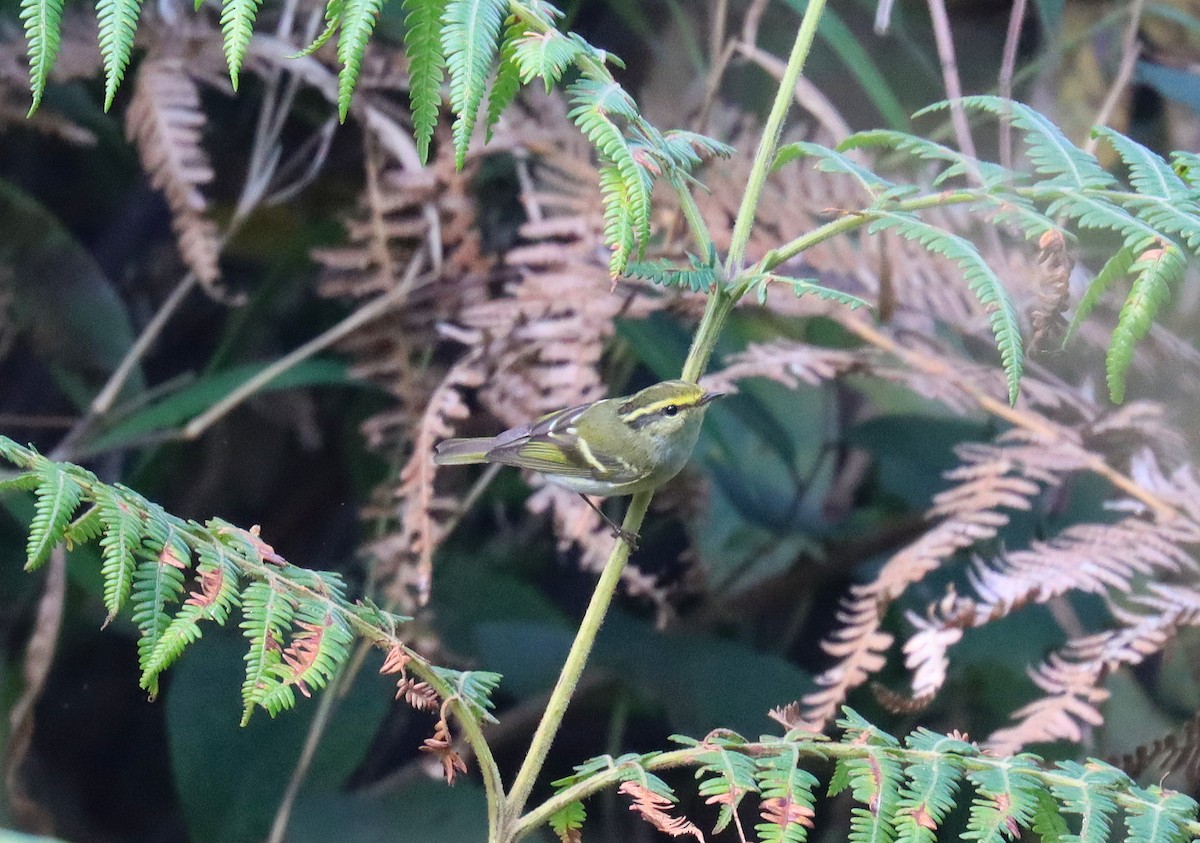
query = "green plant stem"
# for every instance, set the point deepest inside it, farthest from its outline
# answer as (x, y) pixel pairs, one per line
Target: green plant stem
(772, 131)
(572, 669)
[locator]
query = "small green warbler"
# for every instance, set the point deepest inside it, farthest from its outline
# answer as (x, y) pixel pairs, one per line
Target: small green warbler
(615, 446)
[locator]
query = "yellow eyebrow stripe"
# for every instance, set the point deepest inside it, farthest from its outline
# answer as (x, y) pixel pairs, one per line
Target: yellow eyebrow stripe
(658, 406)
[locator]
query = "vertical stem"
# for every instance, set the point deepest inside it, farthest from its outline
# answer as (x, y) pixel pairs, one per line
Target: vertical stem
(585, 638)
(770, 137)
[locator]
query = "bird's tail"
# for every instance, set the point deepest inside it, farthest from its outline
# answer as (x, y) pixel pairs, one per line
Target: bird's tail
(462, 451)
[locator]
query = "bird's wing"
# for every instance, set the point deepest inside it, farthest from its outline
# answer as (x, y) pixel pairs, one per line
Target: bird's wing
(552, 445)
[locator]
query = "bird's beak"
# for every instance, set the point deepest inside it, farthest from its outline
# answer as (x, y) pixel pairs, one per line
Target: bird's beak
(709, 397)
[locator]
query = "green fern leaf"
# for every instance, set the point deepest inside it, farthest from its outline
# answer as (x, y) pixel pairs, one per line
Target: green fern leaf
(1187, 166)
(357, 23)
(118, 23)
(423, 44)
(981, 280)
(570, 817)
(507, 83)
(730, 776)
(470, 29)
(787, 798)
(1170, 216)
(1159, 816)
(1148, 172)
(803, 287)
(43, 35)
(684, 151)
(1095, 212)
(123, 532)
(26, 482)
(84, 529)
(618, 229)
(319, 647)
(1154, 269)
(545, 55)
(333, 19)
(929, 795)
(473, 688)
(832, 161)
(698, 278)
(157, 583)
(1048, 824)
(873, 778)
(237, 23)
(1011, 209)
(58, 496)
(1115, 267)
(1091, 792)
(267, 614)
(214, 600)
(1006, 799)
(923, 149)
(1049, 150)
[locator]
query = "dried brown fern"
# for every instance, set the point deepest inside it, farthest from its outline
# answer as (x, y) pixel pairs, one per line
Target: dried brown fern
(166, 121)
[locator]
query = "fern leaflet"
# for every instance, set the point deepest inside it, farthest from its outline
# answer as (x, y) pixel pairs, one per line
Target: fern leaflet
(929, 795)
(1006, 800)
(267, 615)
(123, 532)
(43, 35)
(118, 24)
(1154, 269)
(1092, 794)
(422, 43)
(357, 24)
(1159, 815)
(157, 583)
(237, 24)
(469, 32)
(58, 495)
(787, 798)
(1115, 267)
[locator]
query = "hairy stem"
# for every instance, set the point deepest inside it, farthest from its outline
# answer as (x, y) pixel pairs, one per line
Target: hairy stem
(572, 669)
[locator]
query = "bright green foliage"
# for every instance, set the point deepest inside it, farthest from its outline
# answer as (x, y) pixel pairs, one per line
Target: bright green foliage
(546, 55)
(298, 622)
(980, 278)
(1158, 814)
(118, 23)
(924, 149)
(333, 17)
(803, 287)
(1115, 267)
(470, 29)
(123, 533)
(215, 597)
(570, 818)
(726, 777)
(874, 779)
(422, 41)
(58, 495)
(932, 783)
(1006, 799)
(43, 33)
(832, 161)
(507, 83)
(268, 616)
(357, 23)
(1153, 271)
(157, 584)
(699, 277)
(1092, 793)
(788, 788)
(237, 24)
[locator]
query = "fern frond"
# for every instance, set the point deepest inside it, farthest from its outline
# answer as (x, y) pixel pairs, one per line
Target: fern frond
(981, 280)
(546, 55)
(157, 582)
(787, 798)
(1006, 799)
(507, 83)
(727, 776)
(699, 277)
(929, 794)
(1049, 150)
(470, 29)
(924, 149)
(333, 19)
(803, 287)
(267, 614)
(423, 45)
(832, 161)
(1149, 173)
(58, 495)
(1154, 269)
(1159, 816)
(43, 35)
(684, 150)
(118, 24)
(123, 533)
(216, 596)
(357, 23)
(1091, 210)
(237, 24)
(473, 688)
(84, 529)
(1091, 793)
(317, 651)
(567, 820)
(1115, 267)
(25, 482)
(873, 778)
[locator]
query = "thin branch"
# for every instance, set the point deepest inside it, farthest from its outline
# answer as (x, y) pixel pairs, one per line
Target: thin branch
(1008, 66)
(1131, 50)
(945, 46)
(372, 310)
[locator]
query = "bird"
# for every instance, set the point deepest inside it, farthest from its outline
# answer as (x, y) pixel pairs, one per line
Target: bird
(606, 448)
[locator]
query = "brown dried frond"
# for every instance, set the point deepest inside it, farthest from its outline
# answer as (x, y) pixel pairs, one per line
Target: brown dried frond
(898, 703)
(417, 694)
(396, 660)
(654, 810)
(783, 812)
(1174, 752)
(1052, 283)
(165, 120)
(302, 653)
(441, 746)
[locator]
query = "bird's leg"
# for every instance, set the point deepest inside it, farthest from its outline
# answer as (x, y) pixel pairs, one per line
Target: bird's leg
(631, 539)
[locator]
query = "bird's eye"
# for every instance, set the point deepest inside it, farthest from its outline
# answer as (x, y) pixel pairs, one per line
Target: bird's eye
(670, 410)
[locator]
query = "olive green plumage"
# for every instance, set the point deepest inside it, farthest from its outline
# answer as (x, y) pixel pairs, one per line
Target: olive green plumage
(616, 446)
